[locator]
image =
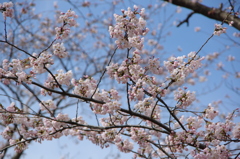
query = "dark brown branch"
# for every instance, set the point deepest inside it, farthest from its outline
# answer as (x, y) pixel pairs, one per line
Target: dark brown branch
(58, 92)
(30, 90)
(186, 20)
(17, 155)
(212, 13)
(17, 48)
(147, 118)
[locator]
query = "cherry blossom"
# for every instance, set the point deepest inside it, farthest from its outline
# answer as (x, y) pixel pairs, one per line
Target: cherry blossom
(129, 29)
(6, 10)
(59, 50)
(236, 131)
(66, 19)
(197, 29)
(47, 104)
(210, 113)
(142, 103)
(219, 29)
(236, 34)
(184, 98)
(39, 62)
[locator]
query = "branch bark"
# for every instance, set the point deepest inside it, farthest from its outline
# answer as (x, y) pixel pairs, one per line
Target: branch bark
(212, 13)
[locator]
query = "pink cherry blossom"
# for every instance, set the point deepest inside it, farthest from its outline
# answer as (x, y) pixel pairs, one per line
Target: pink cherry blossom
(139, 101)
(129, 29)
(184, 98)
(219, 29)
(59, 50)
(236, 131)
(210, 112)
(6, 10)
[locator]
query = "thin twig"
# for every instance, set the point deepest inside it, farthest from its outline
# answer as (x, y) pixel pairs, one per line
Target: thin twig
(186, 20)
(104, 72)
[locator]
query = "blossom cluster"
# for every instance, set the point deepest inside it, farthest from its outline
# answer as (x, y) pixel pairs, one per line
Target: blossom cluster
(184, 98)
(16, 68)
(219, 131)
(6, 9)
(213, 135)
(58, 80)
(128, 68)
(35, 127)
(111, 99)
(38, 62)
(129, 28)
(84, 86)
(220, 151)
(20, 146)
(123, 145)
(219, 29)
(131, 69)
(7, 133)
(141, 137)
(177, 140)
(67, 19)
(179, 69)
(210, 112)
(87, 87)
(194, 123)
(212, 56)
(154, 66)
(148, 108)
(60, 50)
(47, 105)
(236, 131)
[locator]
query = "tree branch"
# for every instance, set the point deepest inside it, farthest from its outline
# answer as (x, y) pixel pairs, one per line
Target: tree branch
(212, 13)
(186, 20)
